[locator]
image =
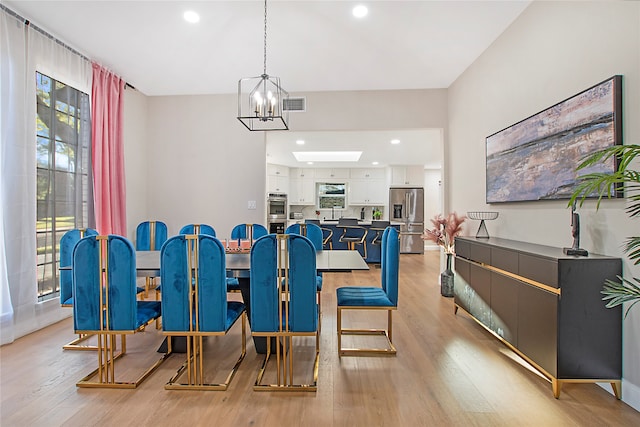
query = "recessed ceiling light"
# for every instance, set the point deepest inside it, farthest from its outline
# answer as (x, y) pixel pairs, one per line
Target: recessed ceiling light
(191, 16)
(395, 141)
(300, 142)
(360, 11)
(327, 156)
(309, 163)
(375, 163)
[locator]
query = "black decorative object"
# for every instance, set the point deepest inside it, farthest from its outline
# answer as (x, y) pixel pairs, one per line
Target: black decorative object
(482, 217)
(446, 279)
(536, 158)
(575, 232)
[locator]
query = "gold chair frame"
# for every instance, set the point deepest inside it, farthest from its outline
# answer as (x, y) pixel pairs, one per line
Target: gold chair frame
(351, 245)
(303, 232)
(107, 354)
(194, 365)
(76, 344)
(387, 333)
(284, 337)
(150, 282)
(327, 240)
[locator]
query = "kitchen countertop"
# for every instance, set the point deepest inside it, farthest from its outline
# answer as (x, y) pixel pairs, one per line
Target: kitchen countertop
(335, 222)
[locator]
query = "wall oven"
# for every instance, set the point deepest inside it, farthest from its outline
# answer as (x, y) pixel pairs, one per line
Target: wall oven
(276, 213)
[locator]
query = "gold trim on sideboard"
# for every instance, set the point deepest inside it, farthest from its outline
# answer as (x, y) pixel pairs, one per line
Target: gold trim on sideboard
(533, 283)
(556, 383)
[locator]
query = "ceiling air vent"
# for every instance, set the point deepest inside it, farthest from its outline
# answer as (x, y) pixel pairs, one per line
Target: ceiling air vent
(295, 104)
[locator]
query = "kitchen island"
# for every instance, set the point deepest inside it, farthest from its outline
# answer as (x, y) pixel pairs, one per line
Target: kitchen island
(373, 251)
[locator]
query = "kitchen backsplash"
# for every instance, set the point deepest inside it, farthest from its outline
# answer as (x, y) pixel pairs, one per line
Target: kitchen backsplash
(309, 212)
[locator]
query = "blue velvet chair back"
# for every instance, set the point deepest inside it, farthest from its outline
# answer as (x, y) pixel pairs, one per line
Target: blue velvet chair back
(240, 231)
(266, 284)
(67, 243)
(390, 263)
(178, 279)
(146, 231)
(121, 278)
(203, 229)
(313, 233)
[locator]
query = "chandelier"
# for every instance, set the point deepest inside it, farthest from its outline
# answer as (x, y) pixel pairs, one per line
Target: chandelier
(261, 99)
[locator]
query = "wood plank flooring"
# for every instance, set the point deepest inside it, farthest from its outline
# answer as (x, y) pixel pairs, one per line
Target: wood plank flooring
(448, 371)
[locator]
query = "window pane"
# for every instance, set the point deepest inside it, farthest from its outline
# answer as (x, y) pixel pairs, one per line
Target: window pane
(65, 186)
(42, 129)
(42, 152)
(46, 281)
(43, 185)
(62, 196)
(65, 156)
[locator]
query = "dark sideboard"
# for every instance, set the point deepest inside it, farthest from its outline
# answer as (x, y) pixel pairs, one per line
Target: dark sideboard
(544, 305)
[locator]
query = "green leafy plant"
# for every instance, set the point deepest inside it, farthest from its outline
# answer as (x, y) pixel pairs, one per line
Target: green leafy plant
(607, 185)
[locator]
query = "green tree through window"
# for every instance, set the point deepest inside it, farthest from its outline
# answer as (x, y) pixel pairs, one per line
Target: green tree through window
(63, 192)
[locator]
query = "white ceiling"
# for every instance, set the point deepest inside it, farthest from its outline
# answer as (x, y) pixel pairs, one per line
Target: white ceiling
(312, 45)
(416, 147)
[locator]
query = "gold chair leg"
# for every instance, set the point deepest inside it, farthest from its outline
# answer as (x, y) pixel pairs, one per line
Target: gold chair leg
(194, 365)
(107, 356)
(284, 367)
(76, 344)
(390, 350)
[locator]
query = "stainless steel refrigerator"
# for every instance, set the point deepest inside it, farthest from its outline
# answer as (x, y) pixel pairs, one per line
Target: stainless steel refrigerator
(406, 205)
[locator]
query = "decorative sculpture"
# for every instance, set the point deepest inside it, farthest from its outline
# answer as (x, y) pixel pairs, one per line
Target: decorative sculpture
(575, 232)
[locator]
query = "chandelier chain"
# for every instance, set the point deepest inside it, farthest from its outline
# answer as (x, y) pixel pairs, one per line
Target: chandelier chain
(265, 37)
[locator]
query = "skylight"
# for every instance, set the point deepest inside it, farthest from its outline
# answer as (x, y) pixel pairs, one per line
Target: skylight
(327, 156)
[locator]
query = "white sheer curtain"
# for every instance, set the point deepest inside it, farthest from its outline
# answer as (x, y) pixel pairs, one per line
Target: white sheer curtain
(25, 50)
(12, 112)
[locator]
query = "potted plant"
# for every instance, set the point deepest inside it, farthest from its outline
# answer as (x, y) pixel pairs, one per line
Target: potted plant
(444, 233)
(623, 290)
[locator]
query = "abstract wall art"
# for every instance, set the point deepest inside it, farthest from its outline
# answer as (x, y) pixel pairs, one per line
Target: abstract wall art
(536, 158)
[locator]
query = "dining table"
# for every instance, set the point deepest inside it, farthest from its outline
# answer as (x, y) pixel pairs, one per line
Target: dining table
(238, 264)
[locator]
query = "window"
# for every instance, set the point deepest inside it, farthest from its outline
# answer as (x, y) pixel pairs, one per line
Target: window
(63, 141)
(332, 195)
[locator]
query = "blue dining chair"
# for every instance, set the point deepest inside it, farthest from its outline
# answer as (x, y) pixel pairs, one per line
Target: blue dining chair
(232, 283)
(150, 235)
(68, 242)
(373, 298)
(195, 305)
(314, 233)
(283, 304)
(250, 232)
(198, 229)
(105, 304)
(240, 232)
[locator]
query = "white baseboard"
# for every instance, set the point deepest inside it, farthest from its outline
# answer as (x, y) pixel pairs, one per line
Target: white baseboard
(630, 393)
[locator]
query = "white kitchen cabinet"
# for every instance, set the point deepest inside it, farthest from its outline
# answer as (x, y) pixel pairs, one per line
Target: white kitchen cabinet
(407, 175)
(302, 191)
(303, 173)
(277, 170)
(328, 173)
(364, 173)
(277, 178)
(278, 184)
(368, 192)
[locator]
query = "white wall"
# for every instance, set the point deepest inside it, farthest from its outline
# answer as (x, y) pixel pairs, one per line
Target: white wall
(551, 52)
(136, 159)
(203, 166)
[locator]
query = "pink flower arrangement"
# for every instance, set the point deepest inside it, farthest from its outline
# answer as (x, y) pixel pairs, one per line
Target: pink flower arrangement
(445, 230)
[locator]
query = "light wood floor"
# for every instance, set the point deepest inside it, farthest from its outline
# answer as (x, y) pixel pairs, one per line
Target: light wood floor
(448, 371)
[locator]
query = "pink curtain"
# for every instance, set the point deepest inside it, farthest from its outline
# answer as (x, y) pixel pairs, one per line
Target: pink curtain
(107, 105)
